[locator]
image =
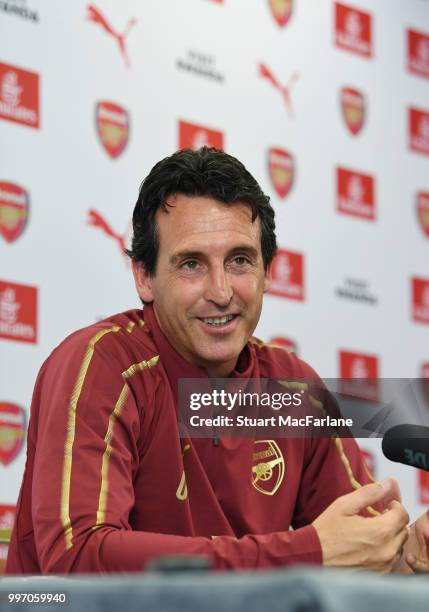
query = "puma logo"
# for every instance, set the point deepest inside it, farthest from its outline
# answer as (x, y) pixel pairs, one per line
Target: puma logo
(97, 220)
(266, 73)
(95, 16)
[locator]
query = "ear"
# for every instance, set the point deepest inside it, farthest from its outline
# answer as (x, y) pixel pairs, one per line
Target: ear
(142, 281)
(267, 279)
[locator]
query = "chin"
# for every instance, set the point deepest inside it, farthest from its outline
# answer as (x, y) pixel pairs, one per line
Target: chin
(214, 358)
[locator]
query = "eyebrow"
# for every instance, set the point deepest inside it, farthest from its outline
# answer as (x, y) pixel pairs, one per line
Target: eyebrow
(185, 254)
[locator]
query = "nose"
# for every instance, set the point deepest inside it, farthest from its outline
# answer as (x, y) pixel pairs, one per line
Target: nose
(218, 287)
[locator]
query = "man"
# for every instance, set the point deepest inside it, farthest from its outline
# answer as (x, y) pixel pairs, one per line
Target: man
(110, 485)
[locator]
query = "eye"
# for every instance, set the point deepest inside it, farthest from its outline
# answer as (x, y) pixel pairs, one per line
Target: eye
(190, 265)
(241, 260)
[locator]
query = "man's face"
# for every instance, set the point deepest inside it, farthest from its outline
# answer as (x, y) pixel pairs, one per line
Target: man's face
(209, 280)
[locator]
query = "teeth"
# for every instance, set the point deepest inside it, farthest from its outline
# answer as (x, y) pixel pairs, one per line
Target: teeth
(218, 320)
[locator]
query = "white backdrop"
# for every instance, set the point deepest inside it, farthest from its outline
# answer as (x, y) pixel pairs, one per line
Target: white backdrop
(249, 83)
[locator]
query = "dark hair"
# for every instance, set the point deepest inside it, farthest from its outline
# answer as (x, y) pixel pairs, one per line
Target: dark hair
(206, 172)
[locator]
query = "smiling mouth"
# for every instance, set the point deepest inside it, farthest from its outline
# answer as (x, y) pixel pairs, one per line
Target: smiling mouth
(218, 321)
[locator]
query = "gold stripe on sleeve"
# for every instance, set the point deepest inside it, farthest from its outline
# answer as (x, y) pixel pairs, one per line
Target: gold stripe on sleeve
(130, 326)
(293, 385)
(104, 487)
(71, 426)
(139, 367)
(355, 484)
(101, 512)
(367, 470)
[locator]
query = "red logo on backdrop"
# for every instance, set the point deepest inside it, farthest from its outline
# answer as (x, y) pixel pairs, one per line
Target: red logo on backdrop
(362, 367)
(418, 53)
(14, 206)
(358, 365)
(353, 109)
(369, 460)
(355, 194)
(425, 370)
(19, 95)
(281, 170)
(96, 16)
(423, 211)
(12, 431)
(423, 487)
(286, 343)
(193, 136)
(287, 275)
(96, 219)
(113, 127)
(419, 130)
(18, 312)
(420, 293)
(281, 10)
(285, 90)
(7, 516)
(353, 30)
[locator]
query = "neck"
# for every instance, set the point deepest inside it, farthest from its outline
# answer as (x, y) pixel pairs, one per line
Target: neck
(221, 370)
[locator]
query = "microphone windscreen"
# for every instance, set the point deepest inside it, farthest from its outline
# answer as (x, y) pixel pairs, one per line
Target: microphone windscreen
(407, 444)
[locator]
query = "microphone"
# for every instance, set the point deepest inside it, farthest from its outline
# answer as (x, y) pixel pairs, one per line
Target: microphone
(407, 444)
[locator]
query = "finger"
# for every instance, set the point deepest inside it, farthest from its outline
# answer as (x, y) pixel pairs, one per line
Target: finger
(396, 518)
(395, 548)
(402, 538)
(399, 540)
(394, 492)
(368, 495)
(417, 565)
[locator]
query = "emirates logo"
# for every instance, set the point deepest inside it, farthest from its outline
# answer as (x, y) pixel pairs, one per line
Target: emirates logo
(19, 95)
(355, 194)
(419, 130)
(10, 89)
(18, 312)
(193, 136)
(287, 275)
(359, 373)
(420, 300)
(418, 53)
(353, 30)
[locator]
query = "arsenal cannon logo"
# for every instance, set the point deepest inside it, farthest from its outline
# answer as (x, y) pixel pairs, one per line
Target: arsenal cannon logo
(14, 206)
(281, 169)
(113, 127)
(268, 467)
(12, 431)
(281, 10)
(353, 109)
(423, 211)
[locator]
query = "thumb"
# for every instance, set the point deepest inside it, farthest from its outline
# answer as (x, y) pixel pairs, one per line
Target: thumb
(387, 490)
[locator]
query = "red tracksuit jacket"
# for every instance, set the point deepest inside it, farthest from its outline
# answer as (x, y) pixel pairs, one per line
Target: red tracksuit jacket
(109, 484)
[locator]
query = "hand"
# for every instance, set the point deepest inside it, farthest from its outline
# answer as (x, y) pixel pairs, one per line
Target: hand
(416, 551)
(350, 540)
